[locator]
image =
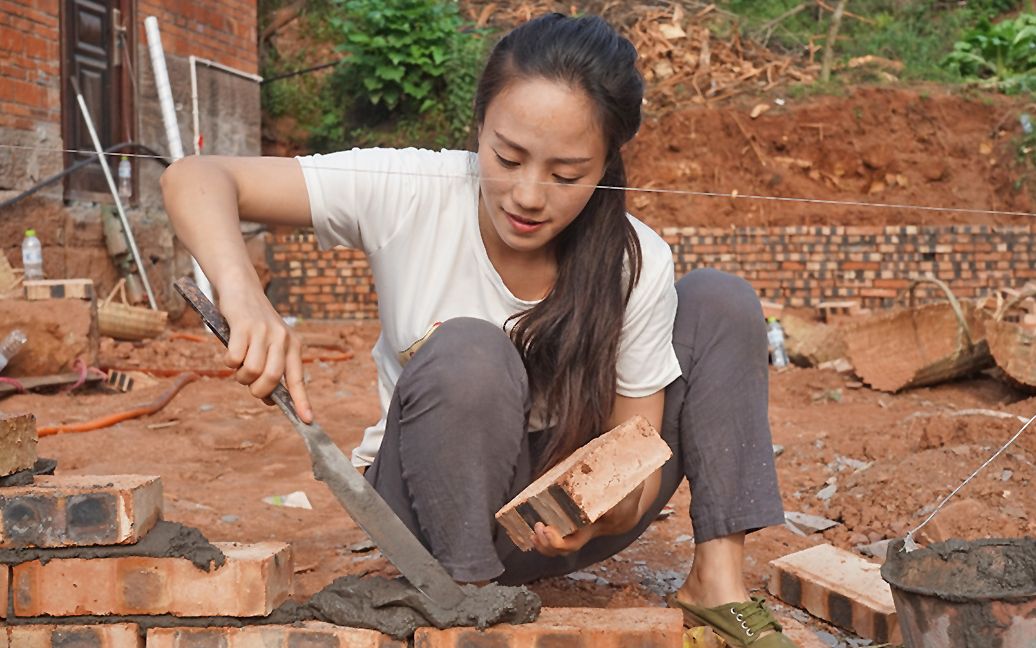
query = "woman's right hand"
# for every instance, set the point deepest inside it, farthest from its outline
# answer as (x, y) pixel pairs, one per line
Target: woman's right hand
(262, 349)
(205, 197)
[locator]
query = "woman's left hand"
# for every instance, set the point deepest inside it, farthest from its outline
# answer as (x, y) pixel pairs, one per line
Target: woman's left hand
(620, 519)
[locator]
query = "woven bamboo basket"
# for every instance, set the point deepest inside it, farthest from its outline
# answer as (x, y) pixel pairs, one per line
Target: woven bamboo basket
(125, 322)
(1013, 346)
(921, 345)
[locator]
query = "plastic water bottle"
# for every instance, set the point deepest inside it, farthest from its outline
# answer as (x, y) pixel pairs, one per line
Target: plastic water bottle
(775, 336)
(125, 178)
(11, 345)
(32, 256)
(1026, 122)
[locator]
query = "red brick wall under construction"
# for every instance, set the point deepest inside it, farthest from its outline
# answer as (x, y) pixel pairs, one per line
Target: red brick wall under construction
(797, 266)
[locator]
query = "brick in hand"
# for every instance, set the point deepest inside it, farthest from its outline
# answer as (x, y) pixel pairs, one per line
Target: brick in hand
(840, 587)
(586, 485)
(254, 580)
(17, 443)
(75, 510)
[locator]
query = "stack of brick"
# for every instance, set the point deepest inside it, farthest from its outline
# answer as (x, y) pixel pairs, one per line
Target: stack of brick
(71, 576)
(50, 596)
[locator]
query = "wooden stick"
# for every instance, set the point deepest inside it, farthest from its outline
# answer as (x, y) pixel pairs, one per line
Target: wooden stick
(751, 142)
(832, 35)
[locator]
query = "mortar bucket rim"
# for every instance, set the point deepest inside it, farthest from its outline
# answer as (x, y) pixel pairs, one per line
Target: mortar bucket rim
(896, 556)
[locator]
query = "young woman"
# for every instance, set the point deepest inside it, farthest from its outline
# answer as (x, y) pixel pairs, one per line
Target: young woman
(560, 319)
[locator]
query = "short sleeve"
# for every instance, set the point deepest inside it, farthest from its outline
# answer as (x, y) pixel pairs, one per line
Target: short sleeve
(647, 362)
(361, 198)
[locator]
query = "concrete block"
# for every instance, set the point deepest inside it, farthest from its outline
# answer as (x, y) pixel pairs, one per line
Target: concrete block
(255, 579)
(839, 587)
(76, 510)
(115, 635)
(59, 289)
(312, 634)
(586, 485)
(569, 628)
(17, 443)
(58, 332)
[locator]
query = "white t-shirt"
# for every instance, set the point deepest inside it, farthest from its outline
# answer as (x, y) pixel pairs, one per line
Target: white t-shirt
(415, 214)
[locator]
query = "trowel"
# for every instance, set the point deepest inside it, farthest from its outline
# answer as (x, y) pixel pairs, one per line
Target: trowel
(363, 504)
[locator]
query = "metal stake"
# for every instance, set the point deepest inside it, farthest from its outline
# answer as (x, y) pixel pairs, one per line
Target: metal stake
(103, 159)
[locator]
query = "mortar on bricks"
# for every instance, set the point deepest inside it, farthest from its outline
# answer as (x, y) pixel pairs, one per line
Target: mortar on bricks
(960, 594)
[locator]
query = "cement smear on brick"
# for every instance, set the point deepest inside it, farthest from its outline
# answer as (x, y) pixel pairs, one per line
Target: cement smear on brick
(165, 540)
(396, 608)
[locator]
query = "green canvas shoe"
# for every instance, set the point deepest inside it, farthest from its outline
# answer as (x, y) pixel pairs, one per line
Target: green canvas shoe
(747, 624)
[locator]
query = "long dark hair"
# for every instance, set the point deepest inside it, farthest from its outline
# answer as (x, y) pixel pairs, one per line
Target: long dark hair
(570, 340)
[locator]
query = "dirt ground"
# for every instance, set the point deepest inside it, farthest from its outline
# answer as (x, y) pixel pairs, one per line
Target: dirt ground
(913, 146)
(220, 452)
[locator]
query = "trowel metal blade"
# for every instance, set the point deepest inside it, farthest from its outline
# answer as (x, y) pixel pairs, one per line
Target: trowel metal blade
(363, 504)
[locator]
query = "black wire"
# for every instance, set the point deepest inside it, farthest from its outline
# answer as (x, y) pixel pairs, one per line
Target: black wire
(288, 75)
(155, 155)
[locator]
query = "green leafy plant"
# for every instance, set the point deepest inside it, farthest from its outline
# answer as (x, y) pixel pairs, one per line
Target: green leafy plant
(397, 48)
(1001, 55)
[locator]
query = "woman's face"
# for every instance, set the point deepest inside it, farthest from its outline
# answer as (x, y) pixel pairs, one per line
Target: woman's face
(540, 153)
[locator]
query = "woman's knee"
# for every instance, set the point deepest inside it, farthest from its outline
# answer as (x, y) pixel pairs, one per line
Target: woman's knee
(467, 360)
(721, 299)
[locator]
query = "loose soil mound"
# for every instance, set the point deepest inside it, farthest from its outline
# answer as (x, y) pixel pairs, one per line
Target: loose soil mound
(883, 145)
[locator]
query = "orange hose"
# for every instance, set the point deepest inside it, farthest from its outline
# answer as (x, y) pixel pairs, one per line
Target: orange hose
(110, 420)
(190, 337)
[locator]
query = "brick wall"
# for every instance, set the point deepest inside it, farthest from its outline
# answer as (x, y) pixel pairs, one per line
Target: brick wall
(30, 99)
(798, 266)
(223, 31)
(333, 284)
(29, 73)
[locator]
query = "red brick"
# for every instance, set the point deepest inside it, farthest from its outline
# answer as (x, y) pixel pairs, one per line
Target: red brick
(311, 634)
(5, 580)
(587, 484)
(840, 587)
(254, 580)
(115, 635)
(69, 510)
(569, 628)
(17, 443)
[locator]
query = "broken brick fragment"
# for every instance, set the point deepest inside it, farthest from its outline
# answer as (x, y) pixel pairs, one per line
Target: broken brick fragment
(255, 579)
(77, 510)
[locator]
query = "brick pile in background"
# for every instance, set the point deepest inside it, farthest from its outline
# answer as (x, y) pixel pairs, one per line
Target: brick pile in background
(797, 266)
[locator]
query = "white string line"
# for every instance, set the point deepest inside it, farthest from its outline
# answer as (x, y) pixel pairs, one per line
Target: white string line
(910, 536)
(732, 195)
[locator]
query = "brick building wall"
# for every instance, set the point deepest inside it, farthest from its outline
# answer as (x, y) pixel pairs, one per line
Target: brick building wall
(798, 266)
(223, 31)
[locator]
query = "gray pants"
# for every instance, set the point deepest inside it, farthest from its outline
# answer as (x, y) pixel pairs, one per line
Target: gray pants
(456, 449)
